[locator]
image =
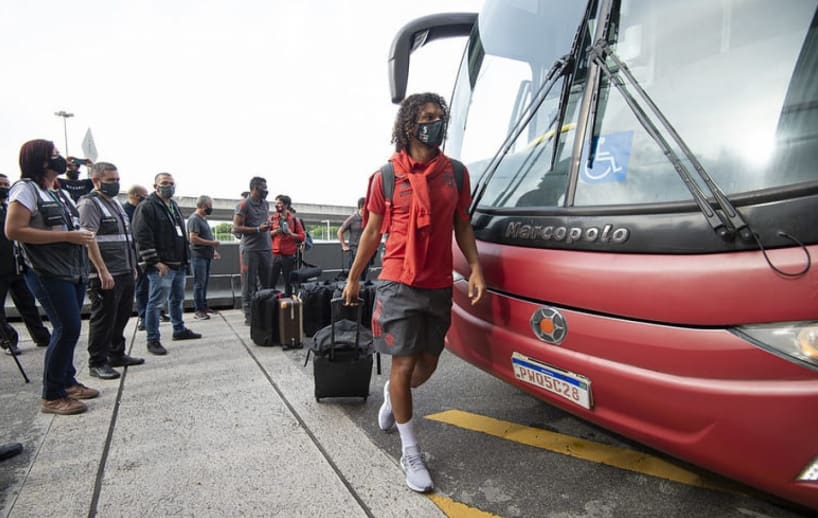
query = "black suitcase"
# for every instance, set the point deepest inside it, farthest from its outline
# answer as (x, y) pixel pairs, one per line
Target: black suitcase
(344, 368)
(316, 298)
(264, 317)
(366, 293)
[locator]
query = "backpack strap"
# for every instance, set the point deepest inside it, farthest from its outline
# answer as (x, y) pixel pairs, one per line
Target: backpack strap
(388, 188)
(459, 172)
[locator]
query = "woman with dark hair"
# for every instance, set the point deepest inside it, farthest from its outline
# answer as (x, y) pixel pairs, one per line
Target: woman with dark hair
(56, 269)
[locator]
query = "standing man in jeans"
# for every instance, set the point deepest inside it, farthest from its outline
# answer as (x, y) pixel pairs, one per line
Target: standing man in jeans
(162, 244)
(288, 233)
(202, 251)
(412, 310)
(112, 274)
(250, 220)
(136, 195)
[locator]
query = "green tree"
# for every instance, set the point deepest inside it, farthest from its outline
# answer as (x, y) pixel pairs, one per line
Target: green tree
(222, 232)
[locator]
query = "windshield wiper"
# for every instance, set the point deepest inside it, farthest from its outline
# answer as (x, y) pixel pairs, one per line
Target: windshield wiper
(555, 72)
(727, 222)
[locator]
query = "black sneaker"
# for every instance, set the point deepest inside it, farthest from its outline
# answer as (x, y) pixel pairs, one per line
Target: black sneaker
(104, 372)
(163, 317)
(187, 334)
(125, 360)
(155, 347)
(140, 324)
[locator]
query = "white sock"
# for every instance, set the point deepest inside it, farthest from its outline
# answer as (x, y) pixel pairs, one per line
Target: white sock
(407, 434)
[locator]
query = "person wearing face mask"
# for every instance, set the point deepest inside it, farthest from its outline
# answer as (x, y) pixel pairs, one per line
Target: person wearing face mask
(161, 242)
(113, 270)
(412, 309)
(202, 251)
(250, 220)
(56, 268)
(71, 183)
(12, 281)
(288, 233)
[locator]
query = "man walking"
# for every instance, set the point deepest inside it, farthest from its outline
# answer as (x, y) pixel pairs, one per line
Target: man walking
(413, 311)
(12, 281)
(163, 247)
(202, 251)
(250, 220)
(288, 233)
(354, 224)
(113, 270)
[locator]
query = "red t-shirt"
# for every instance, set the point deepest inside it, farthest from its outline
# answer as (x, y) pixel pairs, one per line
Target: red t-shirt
(445, 200)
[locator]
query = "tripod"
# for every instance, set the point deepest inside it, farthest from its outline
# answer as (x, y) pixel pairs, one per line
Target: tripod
(8, 342)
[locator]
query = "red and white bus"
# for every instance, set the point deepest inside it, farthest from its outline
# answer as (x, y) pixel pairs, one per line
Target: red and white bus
(645, 178)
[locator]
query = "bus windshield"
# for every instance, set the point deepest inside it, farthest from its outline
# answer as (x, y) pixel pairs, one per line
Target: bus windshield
(735, 78)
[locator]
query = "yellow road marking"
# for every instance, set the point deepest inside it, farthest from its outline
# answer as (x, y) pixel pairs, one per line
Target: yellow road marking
(578, 448)
(455, 509)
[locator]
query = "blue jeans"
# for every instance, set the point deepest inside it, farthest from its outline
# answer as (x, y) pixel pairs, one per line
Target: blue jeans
(201, 275)
(160, 289)
(62, 302)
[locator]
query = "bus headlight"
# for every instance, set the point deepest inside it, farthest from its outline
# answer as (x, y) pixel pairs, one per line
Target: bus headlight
(794, 340)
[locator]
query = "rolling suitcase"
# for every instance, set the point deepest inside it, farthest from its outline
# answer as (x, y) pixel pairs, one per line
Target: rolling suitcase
(367, 294)
(290, 322)
(263, 317)
(342, 366)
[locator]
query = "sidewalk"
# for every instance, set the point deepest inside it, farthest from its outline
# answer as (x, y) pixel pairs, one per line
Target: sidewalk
(218, 427)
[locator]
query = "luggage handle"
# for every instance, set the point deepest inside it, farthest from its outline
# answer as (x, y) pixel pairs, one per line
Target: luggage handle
(334, 309)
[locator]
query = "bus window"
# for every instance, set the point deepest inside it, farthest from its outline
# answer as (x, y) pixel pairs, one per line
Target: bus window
(736, 92)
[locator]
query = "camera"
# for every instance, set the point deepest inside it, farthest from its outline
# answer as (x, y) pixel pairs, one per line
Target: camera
(80, 161)
(285, 227)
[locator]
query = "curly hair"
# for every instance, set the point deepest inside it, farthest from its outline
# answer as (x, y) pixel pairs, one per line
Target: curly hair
(406, 120)
(33, 154)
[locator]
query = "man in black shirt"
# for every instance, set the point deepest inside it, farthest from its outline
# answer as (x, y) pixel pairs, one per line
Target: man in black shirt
(72, 184)
(11, 280)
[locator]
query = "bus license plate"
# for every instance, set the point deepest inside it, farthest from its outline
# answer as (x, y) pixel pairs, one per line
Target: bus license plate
(573, 387)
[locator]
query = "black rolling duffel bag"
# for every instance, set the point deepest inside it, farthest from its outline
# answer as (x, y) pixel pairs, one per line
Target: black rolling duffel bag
(342, 366)
(264, 317)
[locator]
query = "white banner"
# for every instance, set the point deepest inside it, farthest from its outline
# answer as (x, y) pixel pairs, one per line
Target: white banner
(89, 149)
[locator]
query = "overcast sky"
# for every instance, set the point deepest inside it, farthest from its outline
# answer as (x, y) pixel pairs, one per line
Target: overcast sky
(216, 91)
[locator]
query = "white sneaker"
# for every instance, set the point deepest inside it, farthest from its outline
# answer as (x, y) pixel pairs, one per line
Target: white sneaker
(386, 420)
(417, 476)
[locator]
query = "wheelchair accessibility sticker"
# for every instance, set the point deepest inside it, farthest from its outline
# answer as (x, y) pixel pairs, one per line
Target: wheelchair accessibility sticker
(613, 152)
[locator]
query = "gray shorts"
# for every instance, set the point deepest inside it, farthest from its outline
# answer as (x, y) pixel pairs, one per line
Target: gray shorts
(407, 321)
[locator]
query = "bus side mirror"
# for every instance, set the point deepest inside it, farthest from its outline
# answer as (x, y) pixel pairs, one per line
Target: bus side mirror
(414, 35)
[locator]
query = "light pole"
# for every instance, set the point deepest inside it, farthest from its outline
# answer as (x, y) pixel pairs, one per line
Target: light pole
(64, 114)
(327, 222)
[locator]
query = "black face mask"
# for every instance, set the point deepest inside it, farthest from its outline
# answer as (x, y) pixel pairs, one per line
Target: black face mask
(111, 189)
(73, 175)
(4, 193)
(166, 191)
(263, 193)
(58, 164)
(431, 133)
(208, 211)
